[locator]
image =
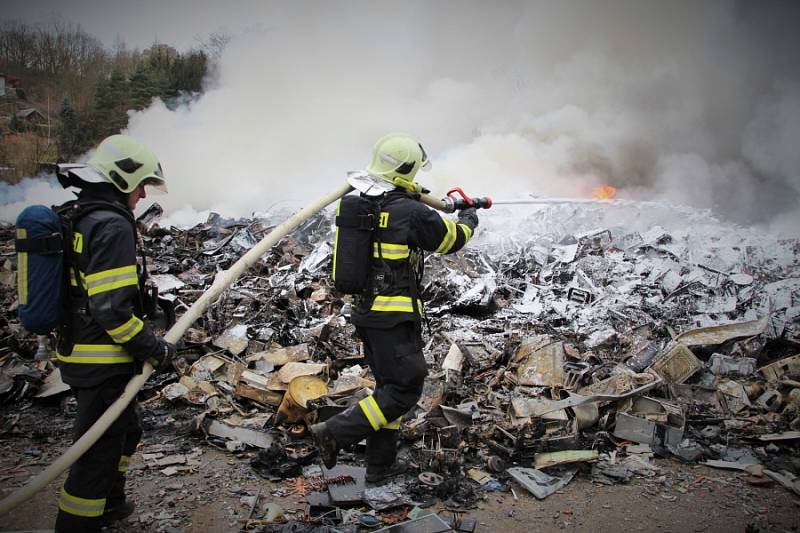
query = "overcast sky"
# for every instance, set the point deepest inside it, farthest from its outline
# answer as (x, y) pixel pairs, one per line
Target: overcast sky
(142, 22)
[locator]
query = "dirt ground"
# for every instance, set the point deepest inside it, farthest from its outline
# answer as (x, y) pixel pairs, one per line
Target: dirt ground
(214, 497)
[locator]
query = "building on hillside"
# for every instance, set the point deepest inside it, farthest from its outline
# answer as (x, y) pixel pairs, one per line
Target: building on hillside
(32, 116)
(8, 85)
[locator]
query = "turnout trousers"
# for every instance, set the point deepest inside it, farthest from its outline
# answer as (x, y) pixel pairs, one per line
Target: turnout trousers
(96, 481)
(395, 357)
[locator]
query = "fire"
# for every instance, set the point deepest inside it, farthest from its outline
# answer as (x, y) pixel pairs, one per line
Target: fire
(604, 192)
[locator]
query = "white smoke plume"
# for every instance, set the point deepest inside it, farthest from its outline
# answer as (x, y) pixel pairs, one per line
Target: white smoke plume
(690, 102)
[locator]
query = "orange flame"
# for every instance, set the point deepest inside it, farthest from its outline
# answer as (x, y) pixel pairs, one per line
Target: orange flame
(604, 192)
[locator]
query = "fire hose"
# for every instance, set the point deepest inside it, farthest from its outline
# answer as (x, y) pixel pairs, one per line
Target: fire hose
(221, 282)
(455, 200)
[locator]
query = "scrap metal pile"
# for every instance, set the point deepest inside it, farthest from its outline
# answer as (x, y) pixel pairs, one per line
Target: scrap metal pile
(567, 340)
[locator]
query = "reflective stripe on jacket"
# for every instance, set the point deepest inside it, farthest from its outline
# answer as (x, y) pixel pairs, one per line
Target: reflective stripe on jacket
(405, 227)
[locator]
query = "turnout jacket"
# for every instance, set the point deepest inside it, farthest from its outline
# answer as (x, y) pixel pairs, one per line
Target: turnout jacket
(103, 333)
(405, 228)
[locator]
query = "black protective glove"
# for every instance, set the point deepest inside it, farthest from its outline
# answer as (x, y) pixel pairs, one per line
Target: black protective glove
(469, 217)
(163, 357)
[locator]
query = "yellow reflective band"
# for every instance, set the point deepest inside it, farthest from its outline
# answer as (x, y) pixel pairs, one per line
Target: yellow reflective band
(77, 242)
(449, 238)
(467, 232)
(373, 413)
(126, 331)
(109, 280)
(336, 241)
(81, 506)
(22, 270)
(370, 417)
(390, 251)
(73, 279)
(393, 425)
(124, 463)
(96, 354)
(111, 273)
(393, 303)
(383, 220)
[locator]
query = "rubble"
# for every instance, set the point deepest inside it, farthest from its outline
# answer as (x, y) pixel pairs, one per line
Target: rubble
(544, 460)
(251, 437)
(650, 421)
(558, 344)
(538, 483)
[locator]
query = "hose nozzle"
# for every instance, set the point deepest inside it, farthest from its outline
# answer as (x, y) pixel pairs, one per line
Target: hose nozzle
(452, 202)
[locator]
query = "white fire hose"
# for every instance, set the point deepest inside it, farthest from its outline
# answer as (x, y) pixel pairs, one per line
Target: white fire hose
(222, 281)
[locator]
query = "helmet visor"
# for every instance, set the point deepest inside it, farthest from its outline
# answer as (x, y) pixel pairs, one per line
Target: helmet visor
(155, 183)
(425, 164)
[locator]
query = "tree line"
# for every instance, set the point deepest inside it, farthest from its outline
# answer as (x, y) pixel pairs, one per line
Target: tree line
(84, 88)
(158, 73)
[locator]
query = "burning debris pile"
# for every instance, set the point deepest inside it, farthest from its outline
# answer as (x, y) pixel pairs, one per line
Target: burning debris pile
(572, 345)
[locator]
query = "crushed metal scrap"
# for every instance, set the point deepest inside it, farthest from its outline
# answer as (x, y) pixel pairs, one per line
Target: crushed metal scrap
(552, 354)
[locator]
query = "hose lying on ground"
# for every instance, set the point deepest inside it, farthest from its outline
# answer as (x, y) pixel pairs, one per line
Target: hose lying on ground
(222, 281)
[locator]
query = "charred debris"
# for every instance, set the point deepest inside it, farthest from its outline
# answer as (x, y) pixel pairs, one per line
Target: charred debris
(572, 346)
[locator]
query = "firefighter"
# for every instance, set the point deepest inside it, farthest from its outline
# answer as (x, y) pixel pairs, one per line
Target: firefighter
(103, 339)
(388, 315)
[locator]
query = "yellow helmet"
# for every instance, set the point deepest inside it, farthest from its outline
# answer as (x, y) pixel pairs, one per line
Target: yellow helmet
(397, 158)
(124, 162)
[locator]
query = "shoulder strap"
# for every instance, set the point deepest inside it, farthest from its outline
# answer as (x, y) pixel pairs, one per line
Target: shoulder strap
(74, 210)
(377, 206)
(71, 212)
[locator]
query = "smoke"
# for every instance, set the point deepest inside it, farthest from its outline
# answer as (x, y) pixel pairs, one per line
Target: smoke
(43, 190)
(690, 102)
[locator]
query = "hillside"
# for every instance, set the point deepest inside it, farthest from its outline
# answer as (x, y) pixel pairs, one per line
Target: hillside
(62, 91)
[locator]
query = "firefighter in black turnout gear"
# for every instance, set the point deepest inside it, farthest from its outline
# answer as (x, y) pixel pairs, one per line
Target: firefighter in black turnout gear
(103, 339)
(389, 313)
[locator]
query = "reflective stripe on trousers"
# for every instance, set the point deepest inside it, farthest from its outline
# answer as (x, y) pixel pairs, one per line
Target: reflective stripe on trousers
(81, 506)
(375, 416)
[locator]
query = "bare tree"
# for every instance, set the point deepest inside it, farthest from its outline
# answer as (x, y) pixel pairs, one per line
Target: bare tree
(214, 44)
(53, 48)
(17, 44)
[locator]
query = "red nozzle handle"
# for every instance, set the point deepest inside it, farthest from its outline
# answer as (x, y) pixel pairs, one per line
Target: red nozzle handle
(465, 201)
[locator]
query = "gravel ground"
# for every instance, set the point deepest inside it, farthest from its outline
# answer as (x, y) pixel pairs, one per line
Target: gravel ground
(214, 496)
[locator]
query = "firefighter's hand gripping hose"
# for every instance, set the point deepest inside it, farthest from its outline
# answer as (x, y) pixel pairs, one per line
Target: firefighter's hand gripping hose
(222, 281)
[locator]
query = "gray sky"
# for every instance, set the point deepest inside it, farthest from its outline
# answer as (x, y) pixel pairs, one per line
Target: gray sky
(141, 22)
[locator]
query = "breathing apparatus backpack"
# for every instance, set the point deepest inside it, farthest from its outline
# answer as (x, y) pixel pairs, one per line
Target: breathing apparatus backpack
(356, 219)
(44, 241)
